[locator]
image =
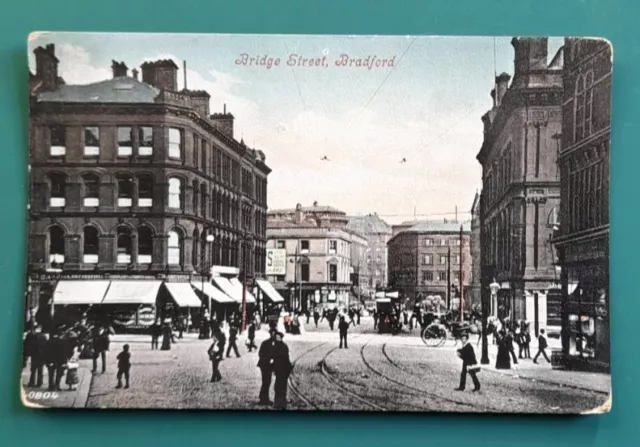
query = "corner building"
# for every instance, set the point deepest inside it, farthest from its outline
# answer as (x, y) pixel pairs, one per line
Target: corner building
(521, 187)
(128, 178)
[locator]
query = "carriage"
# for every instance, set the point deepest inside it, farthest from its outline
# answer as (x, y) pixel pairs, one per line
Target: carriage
(388, 310)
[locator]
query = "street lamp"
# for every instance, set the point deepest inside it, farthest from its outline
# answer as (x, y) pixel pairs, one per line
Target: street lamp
(494, 287)
(209, 238)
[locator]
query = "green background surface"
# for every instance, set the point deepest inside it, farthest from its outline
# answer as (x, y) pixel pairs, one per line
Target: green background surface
(615, 20)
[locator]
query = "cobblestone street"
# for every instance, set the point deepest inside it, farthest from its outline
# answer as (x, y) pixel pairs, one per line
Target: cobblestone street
(376, 372)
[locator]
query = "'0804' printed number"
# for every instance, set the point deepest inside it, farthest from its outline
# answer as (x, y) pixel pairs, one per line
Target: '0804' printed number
(39, 395)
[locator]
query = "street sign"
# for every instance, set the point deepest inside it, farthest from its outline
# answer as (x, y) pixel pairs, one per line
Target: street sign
(276, 261)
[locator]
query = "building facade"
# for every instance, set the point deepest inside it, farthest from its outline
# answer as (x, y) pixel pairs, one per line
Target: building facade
(322, 256)
(521, 186)
(583, 234)
(129, 177)
(377, 233)
(431, 258)
(473, 293)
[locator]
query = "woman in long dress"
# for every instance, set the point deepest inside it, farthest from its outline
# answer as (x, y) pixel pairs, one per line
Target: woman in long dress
(502, 360)
(167, 337)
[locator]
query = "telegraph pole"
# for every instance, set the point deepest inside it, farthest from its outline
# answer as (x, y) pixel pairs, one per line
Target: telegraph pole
(461, 294)
(244, 281)
(449, 301)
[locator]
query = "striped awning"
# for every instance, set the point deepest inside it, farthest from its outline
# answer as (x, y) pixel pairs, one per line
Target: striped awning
(183, 294)
(235, 292)
(79, 292)
(132, 292)
(269, 291)
(213, 293)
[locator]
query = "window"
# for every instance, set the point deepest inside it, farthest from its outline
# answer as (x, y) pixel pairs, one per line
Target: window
(175, 143)
(58, 190)
(304, 272)
(583, 106)
(427, 259)
(457, 260)
(91, 141)
(279, 244)
(56, 245)
(90, 245)
(428, 242)
(333, 273)
(333, 247)
(145, 141)
(427, 276)
(145, 245)
(91, 186)
(145, 191)
(125, 191)
(455, 242)
(279, 278)
(443, 242)
(175, 193)
(196, 149)
(203, 200)
(304, 246)
(58, 141)
(442, 276)
(124, 142)
(124, 246)
(203, 156)
(443, 260)
(174, 248)
(456, 277)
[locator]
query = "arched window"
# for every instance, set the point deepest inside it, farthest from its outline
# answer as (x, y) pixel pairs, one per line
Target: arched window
(56, 245)
(583, 106)
(174, 248)
(58, 189)
(91, 185)
(145, 191)
(203, 200)
(175, 193)
(125, 190)
(195, 196)
(125, 246)
(196, 245)
(90, 245)
(145, 245)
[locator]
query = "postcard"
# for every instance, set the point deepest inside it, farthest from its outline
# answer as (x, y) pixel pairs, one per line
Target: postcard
(318, 223)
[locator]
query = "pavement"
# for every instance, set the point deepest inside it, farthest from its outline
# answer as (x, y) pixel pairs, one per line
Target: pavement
(42, 397)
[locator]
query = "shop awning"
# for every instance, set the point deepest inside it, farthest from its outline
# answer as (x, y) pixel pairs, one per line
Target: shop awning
(132, 292)
(229, 289)
(183, 294)
(79, 292)
(269, 291)
(213, 293)
(235, 282)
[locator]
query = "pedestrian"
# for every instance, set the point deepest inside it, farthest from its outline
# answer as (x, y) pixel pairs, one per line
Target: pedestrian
(308, 315)
(124, 366)
(405, 317)
(167, 336)
(502, 359)
(375, 318)
(216, 351)
(343, 327)
(316, 317)
(36, 349)
(351, 314)
(265, 363)
(180, 327)
(282, 368)
(251, 336)
(542, 345)
(509, 341)
(469, 364)
(155, 330)
(358, 312)
(72, 370)
(519, 338)
(526, 335)
(233, 338)
(332, 318)
(101, 342)
(56, 359)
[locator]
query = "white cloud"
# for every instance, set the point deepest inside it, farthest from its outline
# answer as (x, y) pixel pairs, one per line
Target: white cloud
(75, 65)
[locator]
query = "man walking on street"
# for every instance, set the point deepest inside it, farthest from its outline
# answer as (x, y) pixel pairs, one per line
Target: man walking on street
(282, 368)
(215, 352)
(251, 336)
(233, 338)
(375, 318)
(343, 326)
(56, 358)
(542, 345)
(265, 363)
(36, 348)
(316, 316)
(469, 364)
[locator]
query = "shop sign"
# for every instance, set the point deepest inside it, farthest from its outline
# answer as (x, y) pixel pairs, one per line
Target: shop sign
(276, 261)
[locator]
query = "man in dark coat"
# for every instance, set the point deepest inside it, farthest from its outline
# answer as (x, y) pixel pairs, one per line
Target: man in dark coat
(375, 318)
(35, 347)
(101, 342)
(233, 338)
(216, 351)
(265, 363)
(316, 317)
(469, 362)
(56, 359)
(282, 368)
(343, 327)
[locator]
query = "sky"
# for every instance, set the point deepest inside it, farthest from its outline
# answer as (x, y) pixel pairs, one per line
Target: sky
(425, 108)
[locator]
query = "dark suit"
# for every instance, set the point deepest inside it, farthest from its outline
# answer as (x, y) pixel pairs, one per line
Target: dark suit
(36, 348)
(56, 359)
(468, 356)
(265, 363)
(282, 368)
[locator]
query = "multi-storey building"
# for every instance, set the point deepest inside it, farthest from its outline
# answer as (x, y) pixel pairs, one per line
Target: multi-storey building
(430, 258)
(583, 236)
(473, 293)
(134, 179)
(322, 255)
(378, 233)
(521, 184)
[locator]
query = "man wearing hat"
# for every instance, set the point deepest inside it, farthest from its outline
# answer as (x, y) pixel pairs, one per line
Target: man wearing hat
(265, 363)
(282, 368)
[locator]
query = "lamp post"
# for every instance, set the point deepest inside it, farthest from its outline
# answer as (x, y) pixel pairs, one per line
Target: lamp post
(493, 287)
(55, 268)
(209, 238)
(244, 281)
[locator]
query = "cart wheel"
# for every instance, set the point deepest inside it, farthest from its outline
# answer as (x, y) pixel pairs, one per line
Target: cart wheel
(429, 338)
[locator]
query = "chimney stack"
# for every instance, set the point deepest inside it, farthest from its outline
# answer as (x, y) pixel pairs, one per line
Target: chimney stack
(299, 215)
(119, 69)
(502, 84)
(162, 74)
(47, 67)
(223, 122)
(530, 54)
(134, 74)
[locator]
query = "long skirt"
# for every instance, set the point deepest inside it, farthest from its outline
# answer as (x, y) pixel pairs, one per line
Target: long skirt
(166, 343)
(502, 360)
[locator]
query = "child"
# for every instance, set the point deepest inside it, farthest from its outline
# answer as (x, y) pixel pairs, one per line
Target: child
(124, 365)
(72, 370)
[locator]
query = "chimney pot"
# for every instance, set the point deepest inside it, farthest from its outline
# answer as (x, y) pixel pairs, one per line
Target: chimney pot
(47, 67)
(530, 54)
(119, 69)
(502, 84)
(162, 74)
(134, 74)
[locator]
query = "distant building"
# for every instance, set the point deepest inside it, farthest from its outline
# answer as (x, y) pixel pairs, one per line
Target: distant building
(378, 233)
(473, 294)
(583, 231)
(419, 258)
(521, 186)
(321, 254)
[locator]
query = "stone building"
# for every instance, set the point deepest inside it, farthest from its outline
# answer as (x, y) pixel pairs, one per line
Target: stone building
(130, 179)
(425, 260)
(521, 184)
(583, 232)
(378, 233)
(473, 293)
(322, 256)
